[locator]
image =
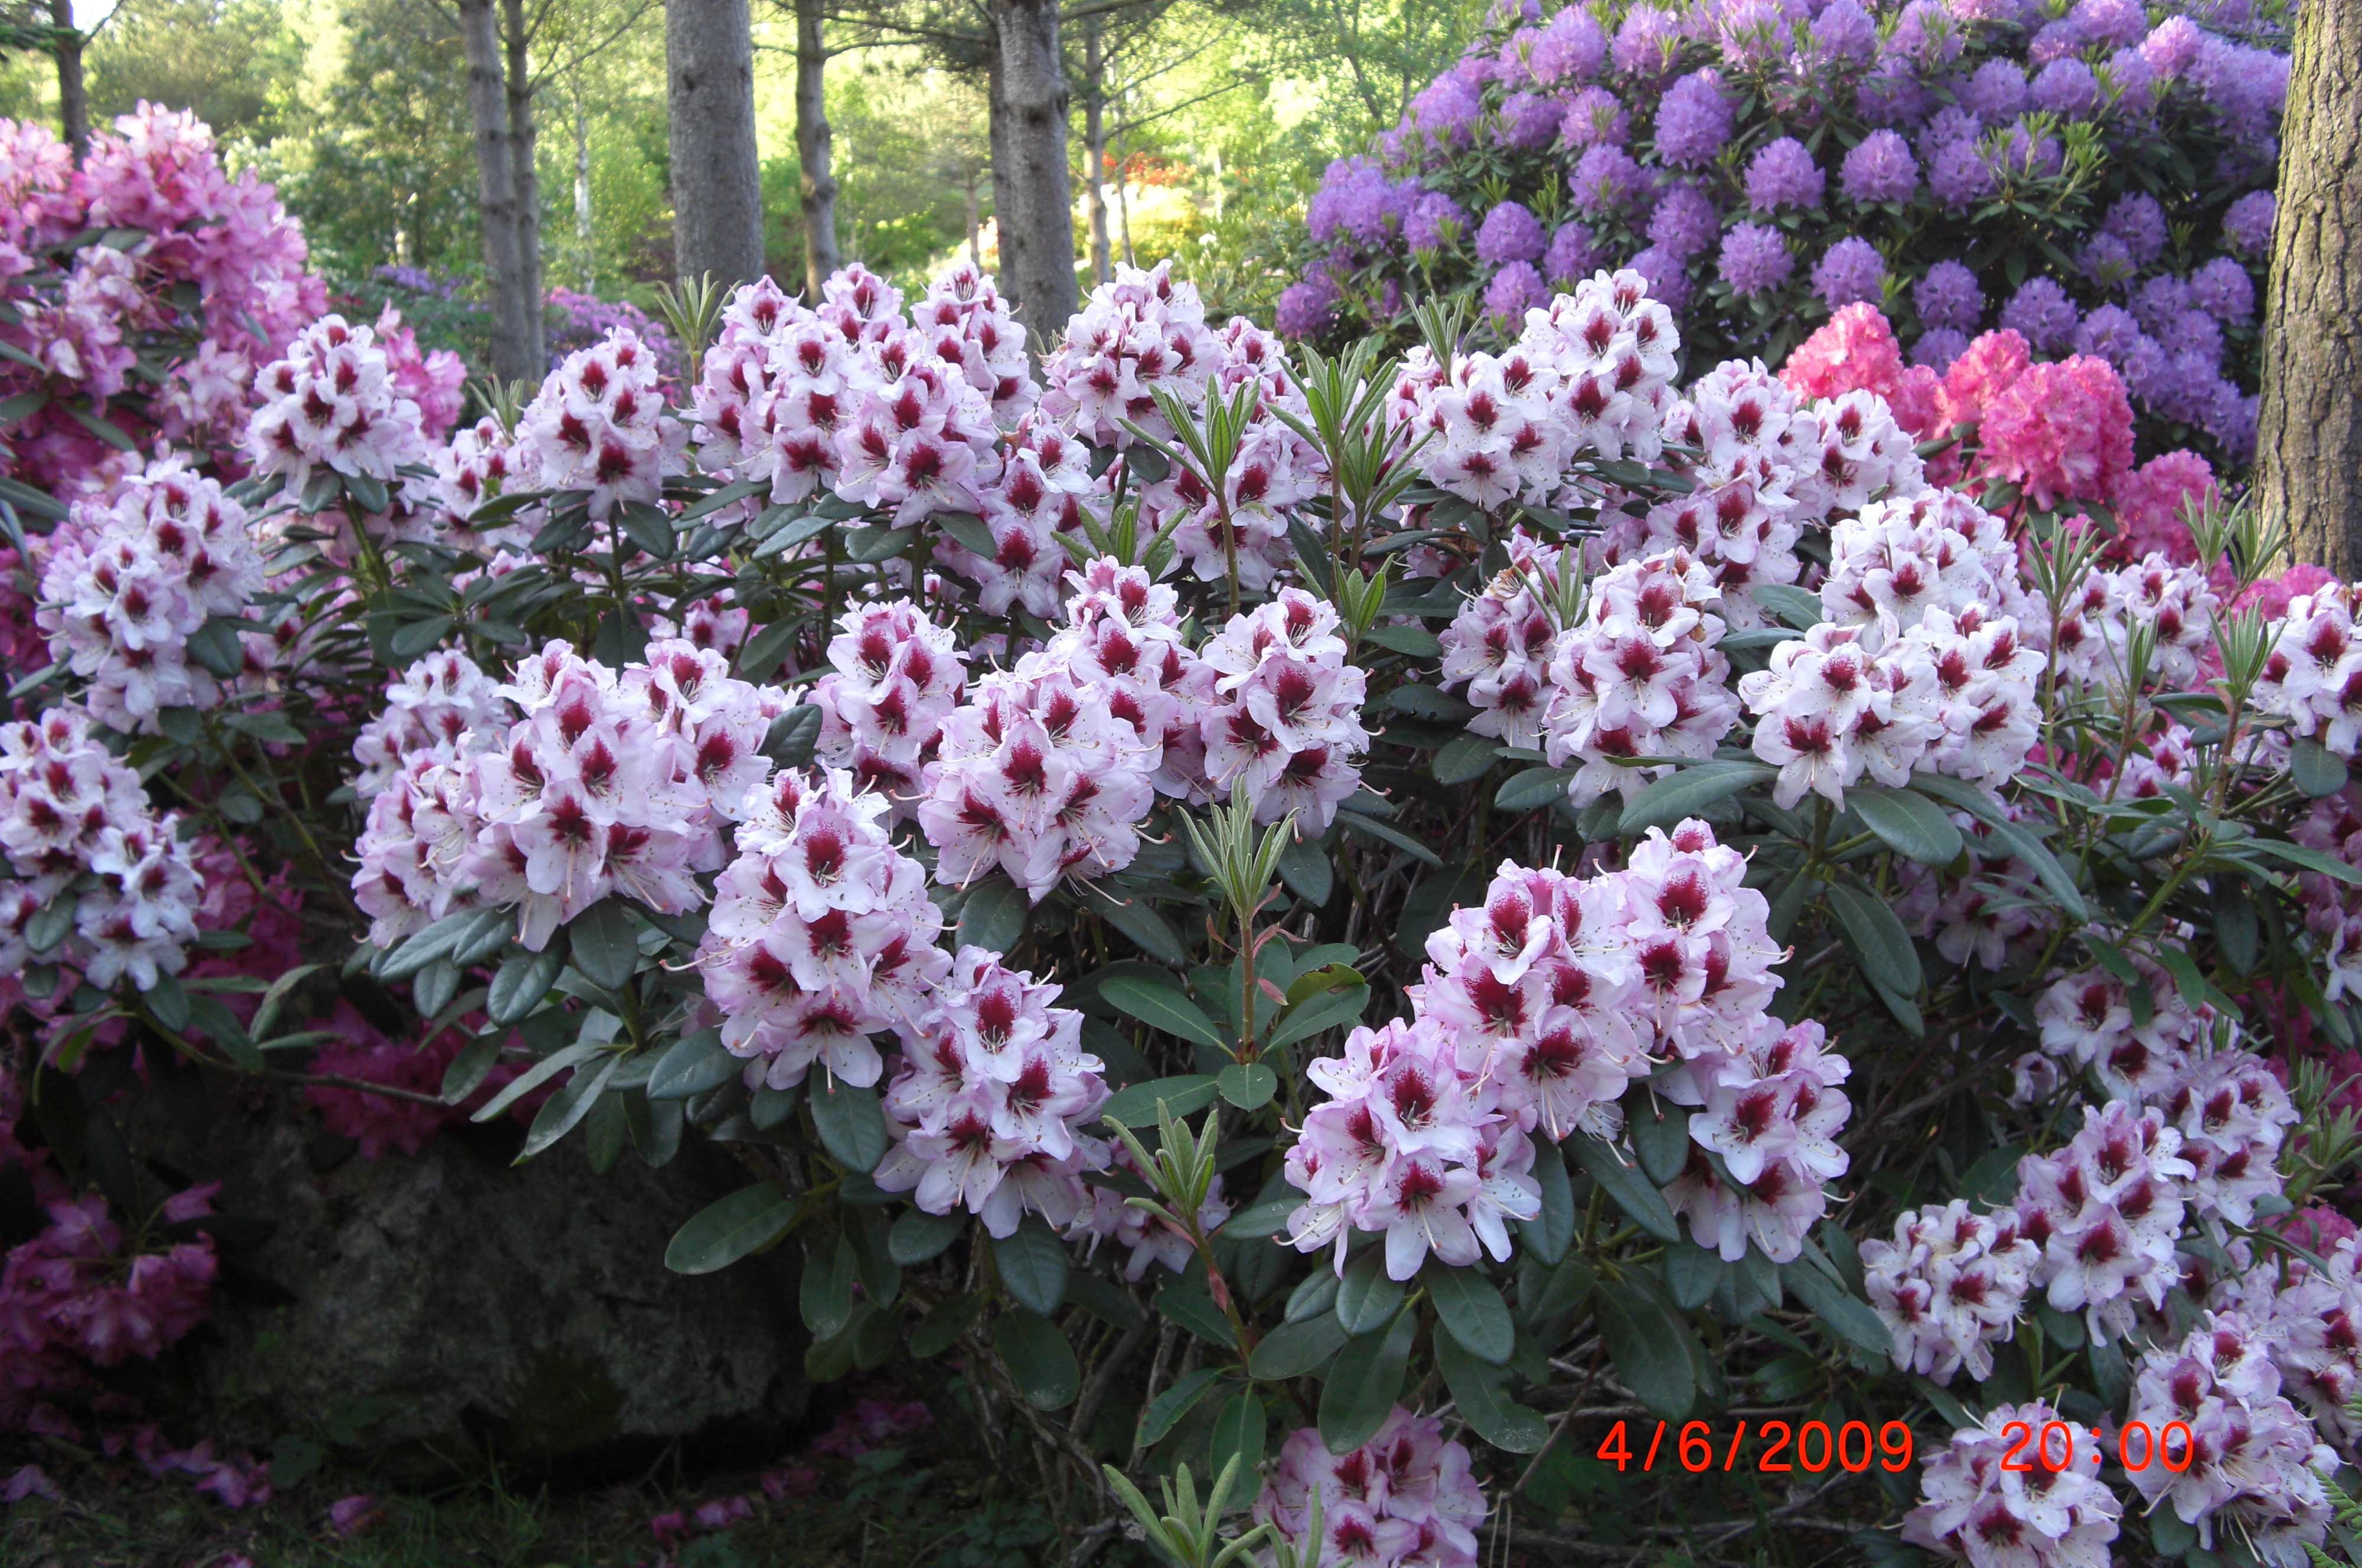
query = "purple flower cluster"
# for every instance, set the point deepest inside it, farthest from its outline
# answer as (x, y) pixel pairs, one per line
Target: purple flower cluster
(1689, 151)
(585, 321)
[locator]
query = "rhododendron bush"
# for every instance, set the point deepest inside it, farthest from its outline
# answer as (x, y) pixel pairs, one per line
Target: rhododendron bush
(2094, 176)
(1371, 929)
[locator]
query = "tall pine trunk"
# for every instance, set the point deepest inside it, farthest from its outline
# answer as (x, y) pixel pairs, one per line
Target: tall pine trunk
(717, 180)
(582, 230)
(1031, 194)
(1095, 145)
(813, 140)
(524, 169)
(514, 359)
(73, 99)
(2309, 440)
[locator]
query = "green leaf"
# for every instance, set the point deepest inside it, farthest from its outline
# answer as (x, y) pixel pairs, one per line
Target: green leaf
(1627, 1185)
(1032, 1265)
(1239, 1430)
(1189, 1306)
(1167, 1408)
(1342, 1006)
(51, 924)
(721, 1233)
(919, 1236)
(1136, 1106)
(1692, 1273)
(1363, 1385)
(1422, 701)
(1366, 1298)
(1250, 1086)
(969, 531)
(533, 1077)
(604, 946)
(1534, 787)
(521, 981)
(2010, 836)
(1137, 920)
(1645, 1345)
(1800, 608)
(1909, 824)
(2108, 1373)
(1688, 792)
(939, 1330)
(1479, 1390)
(1548, 1234)
(1416, 641)
(1472, 1311)
(1878, 939)
(1294, 1349)
(851, 1126)
(1465, 758)
(1039, 1358)
(2314, 770)
(1372, 828)
(467, 1070)
(994, 916)
(692, 1065)
(215, 644)
(2309, 859)
(1834, 1307)
(1261, 1219)
(1304, 866)
(793, 735)
(1568, 1285)
(424, 947)
(414, 639)
(569, 1104)
(868, 546)
(1660, 1139)
(825, 1293)
(714, 501)
(1162, 1007)
(647, 527)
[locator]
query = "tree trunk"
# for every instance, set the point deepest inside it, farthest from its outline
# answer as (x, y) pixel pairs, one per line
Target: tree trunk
(2309, 439)
(524, 167)
(480, 37)
(73, 100)
(975, 247)
(1123, 205)
(582, 230)
(814, 138)
(1031, 196)
(1095, 145)
(717, 180)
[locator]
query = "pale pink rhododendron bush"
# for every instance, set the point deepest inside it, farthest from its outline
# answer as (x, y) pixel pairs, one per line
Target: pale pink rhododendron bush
(1372, 929)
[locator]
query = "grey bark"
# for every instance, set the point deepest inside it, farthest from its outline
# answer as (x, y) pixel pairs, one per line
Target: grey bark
(582, 231)
(975, 247)
(2309, 437)
(73, 98)
(817, 186)
(1031, 194)
(1095, 145)
(523, 169)
(479, 39)
(717, 180)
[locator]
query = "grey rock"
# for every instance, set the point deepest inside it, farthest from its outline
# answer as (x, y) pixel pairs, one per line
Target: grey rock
(448, 1304)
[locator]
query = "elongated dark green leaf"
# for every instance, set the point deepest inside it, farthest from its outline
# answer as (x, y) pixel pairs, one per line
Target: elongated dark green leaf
(2309, 859)
(1688, 792)
(1482, 1393)
(793, 735)
(1250, 1086)
(533, 1077)
(1801, 607)
(1305, 868)
(1342, 1006)
(1039, 1358)
(1366, 1298)
(1136, 1106)
(604, 945)
(521, 981)
(1466, 759)
(1878, 938)
(1472, 1311)
(1909, 824)
(1240, 1429)
(692, 1065)
(825, 1293)
(970, 532)
(1294, 1349)
(424, 947)
(935, 1333)
(1162, 1007)
(1032, 1265)
(2314, 770)
(1626, 1184)
(1660, 1139)
(851, 1126)
(2010, 836)
(569, 1104)
(1138, 920)
(1261, 1219)
(1835, 1307)
(1646, 1346)
(1534, 787)
(1693, 1273)
(727, 1229)
(1175, 1402)
(1189, 1306)
(1567, 1284)
(1372, 828)
(1548, 1234)
(994, 916)
(1363, 1385)
(918, 1236)
(215, 644)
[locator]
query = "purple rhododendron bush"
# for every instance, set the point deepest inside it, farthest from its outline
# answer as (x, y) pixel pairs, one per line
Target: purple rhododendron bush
(1360, 960)
(2094, 176)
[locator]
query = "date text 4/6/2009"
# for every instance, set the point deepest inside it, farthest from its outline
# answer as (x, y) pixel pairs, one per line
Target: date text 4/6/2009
(1813, 1446)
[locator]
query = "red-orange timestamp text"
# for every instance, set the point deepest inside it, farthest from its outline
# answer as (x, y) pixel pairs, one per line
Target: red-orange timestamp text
(1813, 1446)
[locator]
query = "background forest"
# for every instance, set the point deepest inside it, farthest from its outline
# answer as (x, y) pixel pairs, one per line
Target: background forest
(1219, 116)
